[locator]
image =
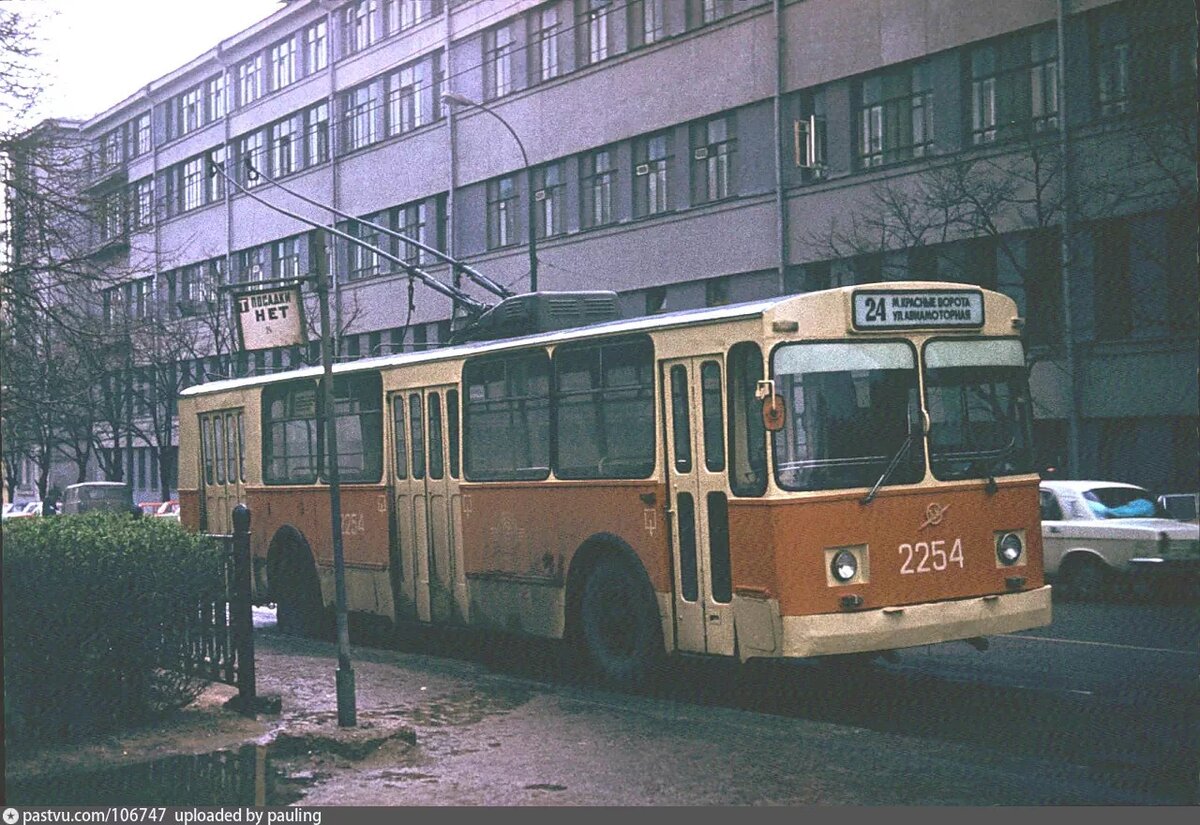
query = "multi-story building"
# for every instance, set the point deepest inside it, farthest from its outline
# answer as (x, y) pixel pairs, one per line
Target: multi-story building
(693, 152)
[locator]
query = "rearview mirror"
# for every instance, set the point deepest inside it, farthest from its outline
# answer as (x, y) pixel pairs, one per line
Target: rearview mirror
(773, 411)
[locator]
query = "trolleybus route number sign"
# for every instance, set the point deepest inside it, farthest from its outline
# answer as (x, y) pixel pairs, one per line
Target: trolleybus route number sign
(918, 308)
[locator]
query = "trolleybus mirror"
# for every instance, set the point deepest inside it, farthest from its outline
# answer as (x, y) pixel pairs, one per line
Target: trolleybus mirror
(772, 413)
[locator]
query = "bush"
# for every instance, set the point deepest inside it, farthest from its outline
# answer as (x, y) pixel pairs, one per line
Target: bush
(94, 606)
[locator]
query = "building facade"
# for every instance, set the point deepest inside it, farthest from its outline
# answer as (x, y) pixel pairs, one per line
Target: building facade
(694, 152)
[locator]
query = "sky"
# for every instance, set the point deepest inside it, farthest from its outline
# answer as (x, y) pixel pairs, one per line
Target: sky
(96, 53)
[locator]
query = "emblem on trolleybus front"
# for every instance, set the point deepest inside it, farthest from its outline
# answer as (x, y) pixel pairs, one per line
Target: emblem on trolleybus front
(934, 514)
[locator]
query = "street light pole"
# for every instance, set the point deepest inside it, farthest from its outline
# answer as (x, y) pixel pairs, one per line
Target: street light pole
(455, 97)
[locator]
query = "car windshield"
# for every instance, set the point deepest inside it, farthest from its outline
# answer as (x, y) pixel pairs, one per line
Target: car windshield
(1122, 502)
(849, 408)
(979, 410)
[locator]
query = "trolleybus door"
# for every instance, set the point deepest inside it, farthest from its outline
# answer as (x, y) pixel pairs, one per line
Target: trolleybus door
(693, 398)
(428, 511)
(223, 467)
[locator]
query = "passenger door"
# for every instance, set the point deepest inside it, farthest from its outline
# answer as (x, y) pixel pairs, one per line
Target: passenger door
(428, 505)
(694, 406)
(222, 469)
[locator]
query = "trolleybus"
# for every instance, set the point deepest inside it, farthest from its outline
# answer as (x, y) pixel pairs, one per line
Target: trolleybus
(839, 472)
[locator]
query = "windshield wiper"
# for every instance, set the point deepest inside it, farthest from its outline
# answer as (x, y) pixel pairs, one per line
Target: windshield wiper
(992, 466)
(908, 440)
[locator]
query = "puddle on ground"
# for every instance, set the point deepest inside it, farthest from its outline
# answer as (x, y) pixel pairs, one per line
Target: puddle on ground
(245, 776)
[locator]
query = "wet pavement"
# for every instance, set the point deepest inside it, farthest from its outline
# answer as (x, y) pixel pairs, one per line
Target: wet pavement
(481, 726)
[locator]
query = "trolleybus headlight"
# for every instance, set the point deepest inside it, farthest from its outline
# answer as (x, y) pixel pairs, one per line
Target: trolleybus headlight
(845, 566)
(1009, 548)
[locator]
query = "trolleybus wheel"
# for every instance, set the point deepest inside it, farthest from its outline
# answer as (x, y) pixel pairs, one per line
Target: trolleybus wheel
(621, 630)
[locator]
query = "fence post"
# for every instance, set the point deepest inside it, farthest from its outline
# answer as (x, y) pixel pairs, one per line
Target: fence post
(242, 617)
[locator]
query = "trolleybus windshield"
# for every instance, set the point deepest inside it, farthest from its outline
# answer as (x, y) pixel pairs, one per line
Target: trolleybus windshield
(978, 400)
(849, 411)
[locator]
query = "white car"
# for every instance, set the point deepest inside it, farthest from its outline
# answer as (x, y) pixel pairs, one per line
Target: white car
(1098, 534)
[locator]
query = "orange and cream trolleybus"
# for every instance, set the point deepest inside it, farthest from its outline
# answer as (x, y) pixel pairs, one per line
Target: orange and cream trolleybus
(845, 471)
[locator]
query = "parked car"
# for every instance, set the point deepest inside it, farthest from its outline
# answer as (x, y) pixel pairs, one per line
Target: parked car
(168, 509)
(1097, 535)
(88, 496)
(149, 508)
(27, 509)
(1181, 506)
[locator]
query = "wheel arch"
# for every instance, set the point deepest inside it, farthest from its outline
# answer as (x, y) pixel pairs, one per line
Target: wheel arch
(584, 559)
(289, 549)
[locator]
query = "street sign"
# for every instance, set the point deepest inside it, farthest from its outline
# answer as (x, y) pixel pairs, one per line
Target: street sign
(271, 318)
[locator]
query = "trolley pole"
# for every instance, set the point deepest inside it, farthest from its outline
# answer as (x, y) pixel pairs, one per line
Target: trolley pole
(347, 715)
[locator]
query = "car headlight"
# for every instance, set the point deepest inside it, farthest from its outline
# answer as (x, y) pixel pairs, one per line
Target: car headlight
(1009, 548)
(844, 566)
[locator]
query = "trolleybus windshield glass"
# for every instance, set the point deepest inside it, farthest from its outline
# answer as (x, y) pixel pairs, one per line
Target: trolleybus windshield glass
(848, 411)
(978, 400)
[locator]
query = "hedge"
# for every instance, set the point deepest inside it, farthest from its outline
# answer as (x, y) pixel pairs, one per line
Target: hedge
(93, 608)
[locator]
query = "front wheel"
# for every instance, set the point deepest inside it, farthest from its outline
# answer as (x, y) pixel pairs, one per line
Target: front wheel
(621, 629)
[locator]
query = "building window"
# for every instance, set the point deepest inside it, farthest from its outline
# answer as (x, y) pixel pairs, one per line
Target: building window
(1179, 261)
(316, 129)
(358, 117)
(411, 94)
(316, 48)
(143, 203)
(410, 222)
(645, 22)
(193, 184)
(713, 145)
(252, 266)
(214, 96)
(284, 150)
(1115, 300)
(592, 44)
(404, 14)
(895, 115)
(548, 196)
(651, 160)
(141, 303)
(285, 258)
(1014, 86)
(283, 63)
(141, 128)
(358, 26)
(214, 181)
(1145, 55)
(190, 111)
(502, 212)
(597, 174)
(250, 80)
(251, 153)
(112, 216)
(364, 260)
(543, 50)
(497, 62)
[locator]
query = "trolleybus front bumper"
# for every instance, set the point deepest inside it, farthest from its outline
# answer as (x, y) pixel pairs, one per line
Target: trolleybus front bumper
(910, 625)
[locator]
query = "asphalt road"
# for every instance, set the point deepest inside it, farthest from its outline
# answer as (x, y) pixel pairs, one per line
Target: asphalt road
(1101, 707)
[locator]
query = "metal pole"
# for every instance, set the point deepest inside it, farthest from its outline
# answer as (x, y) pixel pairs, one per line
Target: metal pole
(1066, 261)
(242, 612)
(347, 717)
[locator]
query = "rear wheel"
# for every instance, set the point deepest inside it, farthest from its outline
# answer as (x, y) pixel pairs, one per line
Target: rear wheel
(621, 632)
(1084, 579)
(299, 609)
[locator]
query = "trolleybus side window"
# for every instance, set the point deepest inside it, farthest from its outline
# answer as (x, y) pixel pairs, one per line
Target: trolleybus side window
(241, 429)
(435, 436)
(688, 571)
(719, 574)
(231, 448)
(747, 436)
(506, 417)
(979, 409)
(452, 429)
(604, 405)
(290, 433)
(358, 416)
(400, 437)
(850, 411)
(714, 425)
(206, 448)
(418, 435)
(681, 428)
(219, 443)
